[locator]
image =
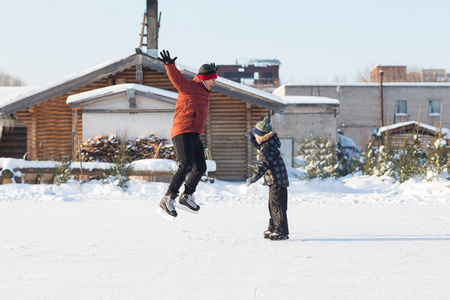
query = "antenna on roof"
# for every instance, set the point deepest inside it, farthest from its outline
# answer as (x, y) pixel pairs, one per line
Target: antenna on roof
(150, 28)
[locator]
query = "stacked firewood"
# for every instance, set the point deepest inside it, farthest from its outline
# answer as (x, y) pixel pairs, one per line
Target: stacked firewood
(151, 147)
(103, 147)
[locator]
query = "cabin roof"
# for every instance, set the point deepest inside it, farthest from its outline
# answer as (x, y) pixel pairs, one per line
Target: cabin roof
(33, 96)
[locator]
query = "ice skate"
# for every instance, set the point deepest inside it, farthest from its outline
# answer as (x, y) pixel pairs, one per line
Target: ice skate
(187, 203)
(166, 208)
(267, 233)
(274, 236)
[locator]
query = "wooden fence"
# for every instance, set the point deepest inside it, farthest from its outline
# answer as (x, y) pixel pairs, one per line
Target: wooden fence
(47, 175)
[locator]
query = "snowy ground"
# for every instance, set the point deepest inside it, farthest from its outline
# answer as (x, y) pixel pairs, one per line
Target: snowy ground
(358, 238)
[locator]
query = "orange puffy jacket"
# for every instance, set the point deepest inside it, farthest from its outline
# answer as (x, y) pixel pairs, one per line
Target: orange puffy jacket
(192, 106)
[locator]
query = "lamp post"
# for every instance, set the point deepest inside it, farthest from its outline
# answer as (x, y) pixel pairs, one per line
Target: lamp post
(381, 98)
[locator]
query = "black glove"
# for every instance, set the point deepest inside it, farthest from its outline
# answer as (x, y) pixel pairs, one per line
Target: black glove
(252, 139)
(166, 57)
(214, 66)
(250, 135)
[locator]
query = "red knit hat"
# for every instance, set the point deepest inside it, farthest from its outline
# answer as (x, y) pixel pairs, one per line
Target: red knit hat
(207, 72)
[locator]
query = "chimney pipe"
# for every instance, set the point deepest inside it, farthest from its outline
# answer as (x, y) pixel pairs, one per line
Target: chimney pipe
(152, 27)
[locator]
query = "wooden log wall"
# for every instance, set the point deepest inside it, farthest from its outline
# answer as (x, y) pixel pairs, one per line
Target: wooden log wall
(229, 145)
(257, 114)
(50, 125)
(397, 140)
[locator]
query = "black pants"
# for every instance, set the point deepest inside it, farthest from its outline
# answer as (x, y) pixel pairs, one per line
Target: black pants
(278, 199)
(192, 163)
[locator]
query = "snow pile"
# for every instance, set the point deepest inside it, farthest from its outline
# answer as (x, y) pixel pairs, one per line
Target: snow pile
(157, 165)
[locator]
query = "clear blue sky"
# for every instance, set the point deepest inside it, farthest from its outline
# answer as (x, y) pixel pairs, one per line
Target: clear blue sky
(315, 40)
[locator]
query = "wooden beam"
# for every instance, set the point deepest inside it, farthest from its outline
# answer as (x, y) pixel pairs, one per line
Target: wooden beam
(92, 172)
(33, 146)
(129, 111)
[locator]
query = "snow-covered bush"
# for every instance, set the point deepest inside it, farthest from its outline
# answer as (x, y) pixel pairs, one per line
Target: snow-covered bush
(369, 159)
(319, 158)
(121, 168)
(437, 156)
(63, 171)
(409, 160)
(348, 156)
(323, 159)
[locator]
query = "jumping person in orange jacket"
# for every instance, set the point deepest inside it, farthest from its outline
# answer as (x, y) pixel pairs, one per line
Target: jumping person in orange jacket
(191, 112)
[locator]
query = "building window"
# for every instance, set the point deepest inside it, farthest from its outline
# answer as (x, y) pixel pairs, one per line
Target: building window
(434, 107)
(400, 107)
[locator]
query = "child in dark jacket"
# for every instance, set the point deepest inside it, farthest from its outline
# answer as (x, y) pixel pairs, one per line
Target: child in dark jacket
(272, 167)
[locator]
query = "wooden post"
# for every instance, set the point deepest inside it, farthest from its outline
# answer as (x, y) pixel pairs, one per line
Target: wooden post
(139, 69)
(81, 162)
(152, 27)
(75, 133)
(33, 147)
(208, 130)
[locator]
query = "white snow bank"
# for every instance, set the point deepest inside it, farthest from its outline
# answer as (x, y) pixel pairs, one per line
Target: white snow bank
(443, 130)
(309, 100)
(157, 165)
(114, 89)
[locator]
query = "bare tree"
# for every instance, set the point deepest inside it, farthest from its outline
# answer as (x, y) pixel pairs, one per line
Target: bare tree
(364, 75)
(9, 80)
(414, 74)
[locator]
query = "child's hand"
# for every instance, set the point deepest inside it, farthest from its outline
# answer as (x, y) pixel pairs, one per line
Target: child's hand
(249, 134)
(250, 180)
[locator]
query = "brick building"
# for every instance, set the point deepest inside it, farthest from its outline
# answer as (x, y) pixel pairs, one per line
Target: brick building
(257, 73)
(305, 117)
(390, 74)
(400, 74)
(363, 104)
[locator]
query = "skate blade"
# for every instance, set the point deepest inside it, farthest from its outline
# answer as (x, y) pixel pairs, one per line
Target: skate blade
(163, 214)
(279, 238)
(180, 206)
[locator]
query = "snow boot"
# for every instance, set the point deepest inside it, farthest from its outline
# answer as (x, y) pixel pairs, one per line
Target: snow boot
(187, 203)
(167, 206)
(274, 236)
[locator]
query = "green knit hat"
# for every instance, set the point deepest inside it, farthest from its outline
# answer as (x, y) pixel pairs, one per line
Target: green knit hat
(262, 128)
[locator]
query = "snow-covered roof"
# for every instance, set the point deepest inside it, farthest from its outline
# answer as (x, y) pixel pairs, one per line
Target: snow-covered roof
(443, 130)
(11, 93)
(14, 103)
(119, 88)
(310, 100)
(30, 91)
(369, 84)
(235, 85)
(258, 62)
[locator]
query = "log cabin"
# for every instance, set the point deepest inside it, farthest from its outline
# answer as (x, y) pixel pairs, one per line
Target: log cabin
(54, 128)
